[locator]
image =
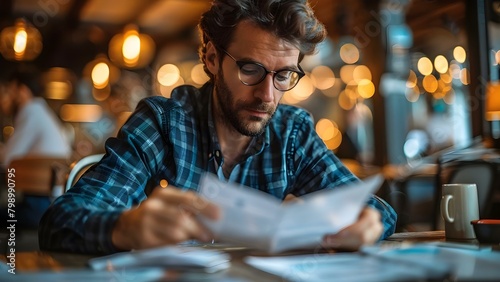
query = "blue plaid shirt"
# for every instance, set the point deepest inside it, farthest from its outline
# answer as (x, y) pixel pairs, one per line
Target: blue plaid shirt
(175, 140)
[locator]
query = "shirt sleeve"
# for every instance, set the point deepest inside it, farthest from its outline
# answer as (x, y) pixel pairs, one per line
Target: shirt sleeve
(318, 168)
(82, 220)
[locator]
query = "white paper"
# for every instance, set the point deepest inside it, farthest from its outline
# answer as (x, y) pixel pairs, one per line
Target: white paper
(174, 257)
(255, 219)
(465, 263)
(351, 267)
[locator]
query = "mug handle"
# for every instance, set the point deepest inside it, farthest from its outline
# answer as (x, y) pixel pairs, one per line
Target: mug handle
(445, 200)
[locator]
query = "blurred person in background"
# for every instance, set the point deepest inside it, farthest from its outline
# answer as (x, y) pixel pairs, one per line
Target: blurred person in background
(37, 132)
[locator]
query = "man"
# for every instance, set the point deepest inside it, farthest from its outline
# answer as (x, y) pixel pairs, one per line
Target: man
(231, 127)
(37, 132)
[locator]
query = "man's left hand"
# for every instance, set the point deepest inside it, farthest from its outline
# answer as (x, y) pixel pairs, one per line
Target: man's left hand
(365, 231)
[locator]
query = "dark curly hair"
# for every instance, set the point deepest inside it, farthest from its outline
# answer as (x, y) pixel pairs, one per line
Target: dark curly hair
(292, 20)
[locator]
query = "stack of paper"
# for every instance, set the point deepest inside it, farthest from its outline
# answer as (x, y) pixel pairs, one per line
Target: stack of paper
(171, 257)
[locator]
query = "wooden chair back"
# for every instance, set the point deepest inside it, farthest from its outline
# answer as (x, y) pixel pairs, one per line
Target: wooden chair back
(38, 175)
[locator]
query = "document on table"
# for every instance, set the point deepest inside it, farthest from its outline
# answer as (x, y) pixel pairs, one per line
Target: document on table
(170, 257)
(255, 219)
(351, 267)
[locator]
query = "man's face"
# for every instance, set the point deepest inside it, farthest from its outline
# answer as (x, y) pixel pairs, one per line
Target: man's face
(248, 109)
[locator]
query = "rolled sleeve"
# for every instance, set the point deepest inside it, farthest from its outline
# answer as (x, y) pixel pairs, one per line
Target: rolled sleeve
(388, 215)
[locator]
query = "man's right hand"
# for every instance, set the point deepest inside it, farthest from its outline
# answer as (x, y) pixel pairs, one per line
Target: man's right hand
(167, 216)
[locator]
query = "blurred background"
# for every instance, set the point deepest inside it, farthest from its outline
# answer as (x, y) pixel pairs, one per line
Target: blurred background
(394, 82)
(408, 88)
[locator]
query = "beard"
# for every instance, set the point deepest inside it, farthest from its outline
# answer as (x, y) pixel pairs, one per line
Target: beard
(232, 112)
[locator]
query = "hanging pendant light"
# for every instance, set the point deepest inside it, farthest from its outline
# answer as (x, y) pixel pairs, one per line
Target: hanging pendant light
(131, 49)
(21, 42)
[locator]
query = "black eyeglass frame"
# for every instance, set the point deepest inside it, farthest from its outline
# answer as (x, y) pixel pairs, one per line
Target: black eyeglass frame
(241, 64)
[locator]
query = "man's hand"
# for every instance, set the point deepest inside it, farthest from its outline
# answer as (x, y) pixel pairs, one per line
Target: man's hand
(365, 231)
(168, 216)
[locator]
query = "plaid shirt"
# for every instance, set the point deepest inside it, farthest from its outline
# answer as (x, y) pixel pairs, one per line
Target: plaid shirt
(175, 140)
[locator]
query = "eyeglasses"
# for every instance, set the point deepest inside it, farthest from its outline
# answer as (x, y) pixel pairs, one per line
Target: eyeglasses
(251, 73)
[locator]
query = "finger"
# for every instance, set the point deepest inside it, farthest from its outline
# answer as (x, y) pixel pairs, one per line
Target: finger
(189, 201)
(366, 230)
(178, 224)
(291, 198)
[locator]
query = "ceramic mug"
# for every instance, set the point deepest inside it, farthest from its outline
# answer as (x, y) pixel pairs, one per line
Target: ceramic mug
(459, 205)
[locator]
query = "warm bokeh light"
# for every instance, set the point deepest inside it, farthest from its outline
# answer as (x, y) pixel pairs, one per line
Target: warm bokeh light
(101, 72)
(349, 53)
(351, 90)
(430, 83)
(412, 79)
(438, 95)
(7, 132)
(412, 94)
(441, 64)
(459, 54)
(361, 72)
(334, 142)
(131, 47)
(100, 75)
(443, 86)
(322, 77)
(81, 112)
(198, 74)
(464, 76)
(303, 90)
(289, 99)
(329, 132)
(20, 42)
(58, 90)
(492, 111)
(168, 74)
(424, 66)
(335, 90)
(346, 102)
(326, 129)
(58, 83)
(446, 78)
(163, 183)
(366, 89)
(166, 91)
(347, 73)
(101, 94)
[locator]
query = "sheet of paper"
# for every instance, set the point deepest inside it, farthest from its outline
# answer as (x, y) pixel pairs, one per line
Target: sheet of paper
(324, 212)
(248, 217)
(173, 257)
(352, 267)
(465, 264)
(255, 219)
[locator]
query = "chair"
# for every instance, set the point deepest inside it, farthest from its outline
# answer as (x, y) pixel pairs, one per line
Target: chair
(483, 173)
(79, 167)
(39, 176)
(412, 197)
(36, 181)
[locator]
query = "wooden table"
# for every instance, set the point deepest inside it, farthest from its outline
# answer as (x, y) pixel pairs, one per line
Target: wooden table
(40, 261)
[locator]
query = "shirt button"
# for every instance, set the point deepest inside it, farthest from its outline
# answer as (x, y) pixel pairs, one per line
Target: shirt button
(217, 154)
(209, 155)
